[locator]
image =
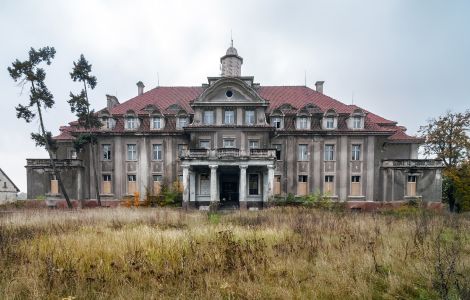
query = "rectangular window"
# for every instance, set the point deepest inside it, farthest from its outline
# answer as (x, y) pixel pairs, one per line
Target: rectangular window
(278, 148)
(253, 184)
(303, 153)
(157, 123)
(157, 183)
(181, 149)
(73, 154)
(131, 123)
(131, 184)
(229, 143)
(411, 185)
(329, 152)
(204, 144)
(276, 122)
(357, 122)
(204, 184)
(229, 117)
(131, 152)
(330, 122)
(208, 117)
(250, 117)
(329, 185)
(302, 123)
(181, 122)
(356, 152)
(106, 152)
(106, 189)
(355, 185)
(157, 152)
(302, 185)
(277, 185)
(253, 144)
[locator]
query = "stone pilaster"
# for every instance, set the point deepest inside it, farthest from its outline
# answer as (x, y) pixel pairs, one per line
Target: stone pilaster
(214, 189)
(185, 186)
(242, 188)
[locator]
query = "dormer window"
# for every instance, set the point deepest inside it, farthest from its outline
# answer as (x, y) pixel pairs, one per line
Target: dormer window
(131, 123)
(302, 123)
(276, 122)
(181, 122)
(357, 122)
(157, 123)
(208, 117)
(330, 122)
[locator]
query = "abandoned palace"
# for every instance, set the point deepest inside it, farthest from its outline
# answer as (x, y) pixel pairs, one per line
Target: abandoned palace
(238, 143)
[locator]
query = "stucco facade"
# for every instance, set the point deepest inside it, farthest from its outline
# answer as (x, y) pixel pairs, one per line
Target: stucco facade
(239, 143)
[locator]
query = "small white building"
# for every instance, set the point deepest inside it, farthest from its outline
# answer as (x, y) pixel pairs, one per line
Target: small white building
(8, 189)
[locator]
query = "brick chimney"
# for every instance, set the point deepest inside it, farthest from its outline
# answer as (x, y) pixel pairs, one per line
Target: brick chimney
(319, 86)
(140, 88)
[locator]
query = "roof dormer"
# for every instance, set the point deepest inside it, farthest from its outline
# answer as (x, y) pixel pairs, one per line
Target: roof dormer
(356, 120)
(330, 120)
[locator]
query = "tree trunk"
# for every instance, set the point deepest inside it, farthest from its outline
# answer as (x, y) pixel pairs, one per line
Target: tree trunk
(93, 159)
(51, 159)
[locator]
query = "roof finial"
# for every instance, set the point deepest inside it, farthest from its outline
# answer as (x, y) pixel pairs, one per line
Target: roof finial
(231, 38)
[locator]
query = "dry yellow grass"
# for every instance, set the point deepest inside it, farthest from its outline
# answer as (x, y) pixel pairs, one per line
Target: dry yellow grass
(280, 253)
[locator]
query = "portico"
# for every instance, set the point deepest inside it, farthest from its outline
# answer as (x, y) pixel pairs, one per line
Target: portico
(231, 182)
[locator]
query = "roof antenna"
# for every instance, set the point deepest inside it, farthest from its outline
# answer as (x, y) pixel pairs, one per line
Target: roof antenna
(231, 38)
(352, 98)
(158, 80)
(305, 78)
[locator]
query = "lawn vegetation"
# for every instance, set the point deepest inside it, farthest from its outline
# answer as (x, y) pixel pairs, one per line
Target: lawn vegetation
(280, 253)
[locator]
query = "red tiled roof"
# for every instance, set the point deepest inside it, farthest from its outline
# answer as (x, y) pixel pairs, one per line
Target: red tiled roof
(64, 134)
(296, 96)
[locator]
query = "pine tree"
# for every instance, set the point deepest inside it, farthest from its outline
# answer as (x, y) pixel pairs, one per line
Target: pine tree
(87, 118)
(29, 73)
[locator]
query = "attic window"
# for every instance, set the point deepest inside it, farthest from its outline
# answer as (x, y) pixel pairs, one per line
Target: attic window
(229, 94)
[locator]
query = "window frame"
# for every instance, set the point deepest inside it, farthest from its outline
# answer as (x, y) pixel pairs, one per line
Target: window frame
(206, 119)
(205, 141)
(302, 155)
(134, 156)
(250, 175)
(302, 123)
(278, 148)
(160, 122)
(178, 122)
(107, 154)
(357, 125)
(356, 152)
(131, 120)
(232, 140)
(253, 141)
(332, 152)
(158, 150)
(230, 113)
(277, 120)
(247, 117)
(327, 122)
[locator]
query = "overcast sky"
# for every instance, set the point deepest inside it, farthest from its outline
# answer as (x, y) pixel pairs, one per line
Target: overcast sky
(404, 60)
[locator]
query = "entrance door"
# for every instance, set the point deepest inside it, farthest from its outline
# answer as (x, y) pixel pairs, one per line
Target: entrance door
(229, 184)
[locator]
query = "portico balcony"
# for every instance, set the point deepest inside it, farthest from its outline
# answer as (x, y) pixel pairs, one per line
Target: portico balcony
(412, 163)
(228, 153)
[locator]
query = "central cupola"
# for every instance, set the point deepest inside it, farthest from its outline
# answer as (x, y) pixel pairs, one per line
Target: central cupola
(231, 63)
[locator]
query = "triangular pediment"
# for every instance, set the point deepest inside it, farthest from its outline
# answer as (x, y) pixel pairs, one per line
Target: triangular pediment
(229, 91)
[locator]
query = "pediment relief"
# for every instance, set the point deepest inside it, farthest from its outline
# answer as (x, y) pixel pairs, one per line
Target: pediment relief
(230, 90)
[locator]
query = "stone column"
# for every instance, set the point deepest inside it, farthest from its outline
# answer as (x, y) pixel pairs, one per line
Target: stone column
(185, 186)
(214, 188)
(242, 188)
(270, 181)
(192, 187)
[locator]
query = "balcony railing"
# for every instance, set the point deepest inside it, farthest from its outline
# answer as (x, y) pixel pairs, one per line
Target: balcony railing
(412, 163)
(228, 153)
(43, 162)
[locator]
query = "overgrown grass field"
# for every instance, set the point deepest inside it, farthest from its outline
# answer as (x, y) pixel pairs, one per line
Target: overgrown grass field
(279, 253)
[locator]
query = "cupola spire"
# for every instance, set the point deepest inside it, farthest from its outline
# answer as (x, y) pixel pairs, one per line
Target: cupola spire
(231, 63)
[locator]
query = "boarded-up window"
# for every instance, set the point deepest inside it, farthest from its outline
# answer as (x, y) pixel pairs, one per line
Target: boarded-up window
(302, 188)
(355, 185)
(106, 188)
(131, 184)
(329, 187)
(411, 186)
(277, 185)
(157, 184)
(54, 185)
